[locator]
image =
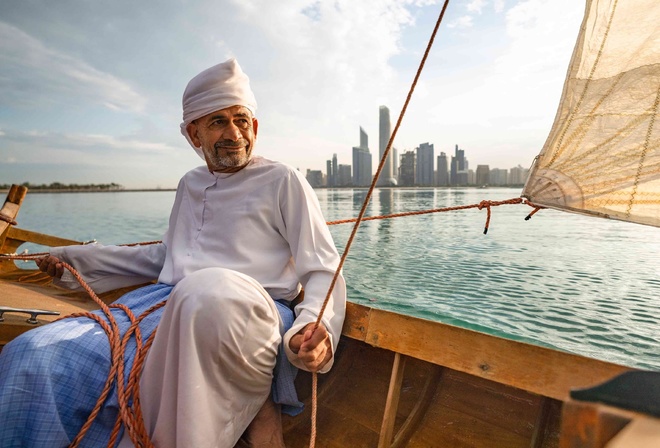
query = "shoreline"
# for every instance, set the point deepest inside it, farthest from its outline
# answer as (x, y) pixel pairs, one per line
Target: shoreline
(125, 190)
(134, 190)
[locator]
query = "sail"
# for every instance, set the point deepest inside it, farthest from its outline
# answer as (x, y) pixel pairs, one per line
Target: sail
(602, 156)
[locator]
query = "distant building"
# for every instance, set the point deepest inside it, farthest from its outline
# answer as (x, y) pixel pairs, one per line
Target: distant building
(471, 177)
(518, 175)
(384, 133)
(395, 164)
(424, 172)
(344, 178)
(334, 170)
(331, 167)
(362, 163)
(328, 174)
(364, 139)
(407, 169)
(442, 175)
(315, 178)
(499, 176)
(458, 168)
(483, 175)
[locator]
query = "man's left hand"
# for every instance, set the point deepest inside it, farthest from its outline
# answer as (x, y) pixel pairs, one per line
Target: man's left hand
(312, 347)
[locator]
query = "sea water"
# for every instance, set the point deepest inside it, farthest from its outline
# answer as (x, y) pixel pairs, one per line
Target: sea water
(580, 284)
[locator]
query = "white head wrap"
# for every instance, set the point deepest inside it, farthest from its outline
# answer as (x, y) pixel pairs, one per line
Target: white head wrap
(221, 86)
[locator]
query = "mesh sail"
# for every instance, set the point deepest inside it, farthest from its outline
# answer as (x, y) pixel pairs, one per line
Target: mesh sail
(602, 156)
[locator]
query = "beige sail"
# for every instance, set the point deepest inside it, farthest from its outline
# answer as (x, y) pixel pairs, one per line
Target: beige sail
(602, 156)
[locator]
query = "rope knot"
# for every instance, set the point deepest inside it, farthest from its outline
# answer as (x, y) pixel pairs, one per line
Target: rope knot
(6, 218)
(484, 204)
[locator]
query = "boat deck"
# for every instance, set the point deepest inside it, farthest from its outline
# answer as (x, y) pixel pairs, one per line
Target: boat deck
(437, 407)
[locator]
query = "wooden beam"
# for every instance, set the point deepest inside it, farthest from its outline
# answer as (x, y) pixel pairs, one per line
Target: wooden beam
(39, 238)
(392, 403)
(540, 370)
(586, 425)
(419, 411)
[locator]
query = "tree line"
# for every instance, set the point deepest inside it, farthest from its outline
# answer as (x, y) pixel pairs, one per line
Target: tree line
(68, 187)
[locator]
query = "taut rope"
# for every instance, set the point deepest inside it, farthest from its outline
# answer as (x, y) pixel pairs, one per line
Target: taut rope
(312, 440)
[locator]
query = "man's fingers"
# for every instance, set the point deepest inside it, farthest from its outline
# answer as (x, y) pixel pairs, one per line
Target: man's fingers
(51, 266)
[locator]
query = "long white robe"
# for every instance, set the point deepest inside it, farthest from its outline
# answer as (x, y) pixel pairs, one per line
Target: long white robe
(263, 222)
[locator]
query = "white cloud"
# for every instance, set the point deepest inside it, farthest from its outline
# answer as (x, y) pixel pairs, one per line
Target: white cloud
(29, 68)
(52, 147)
(476, 6)
(462, 22)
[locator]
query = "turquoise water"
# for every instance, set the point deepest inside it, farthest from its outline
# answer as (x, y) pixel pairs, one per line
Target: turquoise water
(580, 284)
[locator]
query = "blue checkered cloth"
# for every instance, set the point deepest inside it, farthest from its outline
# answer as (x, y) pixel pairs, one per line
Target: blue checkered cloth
(52, 376)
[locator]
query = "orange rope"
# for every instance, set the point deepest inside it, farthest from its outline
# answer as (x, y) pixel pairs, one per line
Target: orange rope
(483, 204)
(312, 440)
(130, 416)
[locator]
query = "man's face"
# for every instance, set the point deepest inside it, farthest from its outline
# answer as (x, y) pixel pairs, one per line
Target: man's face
(226, 137)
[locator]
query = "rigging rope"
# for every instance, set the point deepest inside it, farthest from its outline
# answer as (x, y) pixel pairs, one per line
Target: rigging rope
(386, 153)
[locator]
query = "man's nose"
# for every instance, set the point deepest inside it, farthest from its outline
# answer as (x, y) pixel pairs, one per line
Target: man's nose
(232, 132)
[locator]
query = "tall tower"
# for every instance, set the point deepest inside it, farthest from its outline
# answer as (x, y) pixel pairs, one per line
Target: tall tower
(362, 162)
(424, 172)
(386, 178)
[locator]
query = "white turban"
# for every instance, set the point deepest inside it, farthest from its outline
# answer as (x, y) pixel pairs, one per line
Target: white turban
(221, 86)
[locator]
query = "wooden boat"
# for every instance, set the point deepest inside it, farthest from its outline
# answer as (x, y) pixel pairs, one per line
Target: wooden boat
(398, 381)
(404, 381)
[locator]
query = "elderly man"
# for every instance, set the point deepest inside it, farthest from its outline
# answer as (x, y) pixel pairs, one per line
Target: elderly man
(245, 234)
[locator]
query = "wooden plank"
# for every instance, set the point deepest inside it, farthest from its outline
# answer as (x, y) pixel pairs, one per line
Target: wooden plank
(540, 370)
(36, 294)
(419, 410)
(39, 238)
(16, 194)
(392, 402)
(585, 425)
(642, 432)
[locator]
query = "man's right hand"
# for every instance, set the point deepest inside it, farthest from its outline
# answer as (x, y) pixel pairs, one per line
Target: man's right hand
(50, 265)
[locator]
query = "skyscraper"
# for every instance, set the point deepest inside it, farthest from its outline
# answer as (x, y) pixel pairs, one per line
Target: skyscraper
(386, 178)
(362, 162)
(483, 175)
(424, 171)
(443, 171)
(407, 169)
(458, 174)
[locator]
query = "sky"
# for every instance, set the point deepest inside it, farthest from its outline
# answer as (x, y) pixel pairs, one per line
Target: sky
(90, 92)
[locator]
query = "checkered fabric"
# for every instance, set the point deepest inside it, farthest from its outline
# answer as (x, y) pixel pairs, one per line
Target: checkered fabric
(52, 376)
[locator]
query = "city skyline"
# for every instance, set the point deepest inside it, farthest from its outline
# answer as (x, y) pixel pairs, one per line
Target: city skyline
(418, 167)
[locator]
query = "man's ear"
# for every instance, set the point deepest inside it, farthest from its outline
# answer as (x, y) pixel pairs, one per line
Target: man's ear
(191, 129)
(255, 126)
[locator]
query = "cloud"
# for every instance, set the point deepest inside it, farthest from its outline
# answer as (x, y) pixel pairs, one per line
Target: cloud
(32, 72)
(462, 22)
(58, 148)
(476, 6)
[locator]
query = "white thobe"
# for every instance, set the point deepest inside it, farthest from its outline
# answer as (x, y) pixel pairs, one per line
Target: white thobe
(263, 222)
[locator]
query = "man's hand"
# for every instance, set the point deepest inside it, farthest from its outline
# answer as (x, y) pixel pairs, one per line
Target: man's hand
(312, 347)
(50, 265)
